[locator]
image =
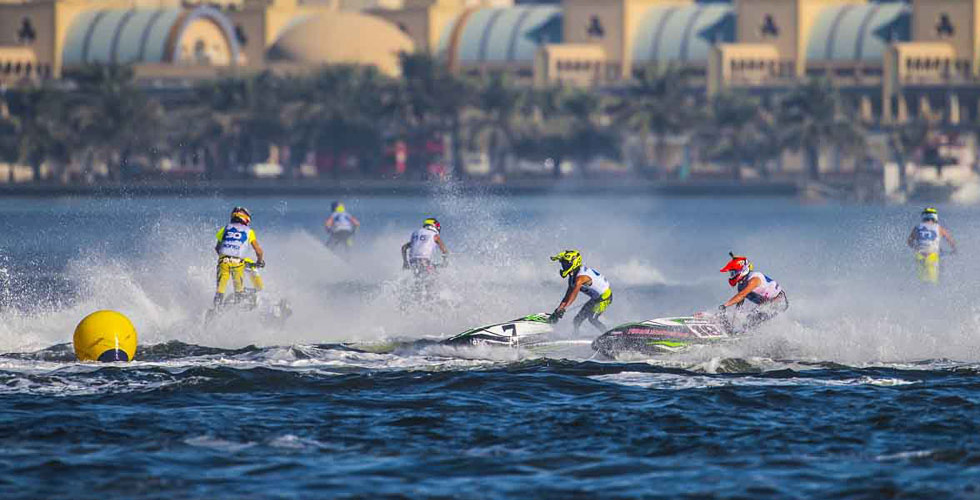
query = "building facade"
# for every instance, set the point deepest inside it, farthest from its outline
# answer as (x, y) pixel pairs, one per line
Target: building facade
(895, 59)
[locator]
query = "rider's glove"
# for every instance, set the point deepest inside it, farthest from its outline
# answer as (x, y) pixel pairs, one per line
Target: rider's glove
(405, 265)
(555, 316)
(260, 264)
(445, 260)
(722, 308)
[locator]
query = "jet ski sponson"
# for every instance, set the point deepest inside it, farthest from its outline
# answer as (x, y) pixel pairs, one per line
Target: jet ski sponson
(661, 335)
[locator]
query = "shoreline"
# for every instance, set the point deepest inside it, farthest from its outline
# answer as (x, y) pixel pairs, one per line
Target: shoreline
(405, 188)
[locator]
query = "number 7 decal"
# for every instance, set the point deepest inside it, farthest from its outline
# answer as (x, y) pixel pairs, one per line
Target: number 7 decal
(512, 330)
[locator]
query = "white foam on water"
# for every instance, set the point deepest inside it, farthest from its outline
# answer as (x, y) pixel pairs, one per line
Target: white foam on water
(853, 296)
(673, 381)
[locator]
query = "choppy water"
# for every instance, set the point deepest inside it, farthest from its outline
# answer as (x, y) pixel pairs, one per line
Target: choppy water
(866, 388)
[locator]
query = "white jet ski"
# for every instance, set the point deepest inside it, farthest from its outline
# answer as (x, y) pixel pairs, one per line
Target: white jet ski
(663, 335)
(521, 332)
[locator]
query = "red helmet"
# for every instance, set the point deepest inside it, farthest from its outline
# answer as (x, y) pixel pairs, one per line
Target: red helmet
(737, 268)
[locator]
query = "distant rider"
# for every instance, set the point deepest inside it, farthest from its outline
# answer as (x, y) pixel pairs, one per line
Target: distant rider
(925, 240)
(588, 281)
(233, 242)
(341, 226)
(756, 287)
(417, 253)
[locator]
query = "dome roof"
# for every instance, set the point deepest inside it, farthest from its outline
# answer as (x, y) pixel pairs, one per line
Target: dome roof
(669, 33)
(151, 35)
(342, 38)
(855, 32)
(506, 34)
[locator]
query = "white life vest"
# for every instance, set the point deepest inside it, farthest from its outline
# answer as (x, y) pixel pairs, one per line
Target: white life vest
(926, 239)
(423, 244)
(342, 221)
(599, 283)
(766, 291)
(235, 240)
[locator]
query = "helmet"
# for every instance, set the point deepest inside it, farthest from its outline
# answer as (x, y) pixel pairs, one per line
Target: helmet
(930, 214)
(433, 223)
(337, 207)
(241, 214)
(570, 260)
(737, 268)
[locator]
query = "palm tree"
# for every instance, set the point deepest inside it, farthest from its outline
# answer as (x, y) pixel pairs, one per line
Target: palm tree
(906, 140)
(570, 124)
(498, 104)
(657, 103)
(37, 122)
(738, 132)
(811, 117)
(114, 120)
(344, 110)
(432, 103)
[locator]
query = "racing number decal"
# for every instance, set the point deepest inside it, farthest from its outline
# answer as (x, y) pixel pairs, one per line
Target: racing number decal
(512, 330)
(705, 330)
(927, 235)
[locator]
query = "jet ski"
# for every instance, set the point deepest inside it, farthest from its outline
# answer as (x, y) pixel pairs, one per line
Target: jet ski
(527, 331)
(271, 312)
(663, 335)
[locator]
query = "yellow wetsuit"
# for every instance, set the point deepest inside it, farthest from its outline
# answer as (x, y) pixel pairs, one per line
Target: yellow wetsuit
(927, 267)
(234, 240)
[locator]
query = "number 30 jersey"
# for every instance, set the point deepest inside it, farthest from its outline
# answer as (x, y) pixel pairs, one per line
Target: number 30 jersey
(927, 238)
(235, 239)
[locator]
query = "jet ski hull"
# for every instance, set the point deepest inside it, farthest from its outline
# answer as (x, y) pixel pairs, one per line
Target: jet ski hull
(522, 331)
(661, 335)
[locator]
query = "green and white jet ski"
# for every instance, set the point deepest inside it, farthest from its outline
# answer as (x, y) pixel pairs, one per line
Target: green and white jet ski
(527, 331)
(663, 335)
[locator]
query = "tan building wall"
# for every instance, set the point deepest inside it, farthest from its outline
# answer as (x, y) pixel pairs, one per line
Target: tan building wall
(425, 21)
(600, 23)
(580, 65)
(914, 64)
(41, 19)
(953, 22)
(19, 64)
(784, 24)
(744, 64)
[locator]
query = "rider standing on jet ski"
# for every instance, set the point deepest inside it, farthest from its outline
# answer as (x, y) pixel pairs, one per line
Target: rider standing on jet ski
(756, 287)
(341, 226)
(417, 253)
(925, 240)
(590, 282)
(233, 242)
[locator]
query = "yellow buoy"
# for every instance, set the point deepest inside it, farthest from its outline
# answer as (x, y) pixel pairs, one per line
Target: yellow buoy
(105, 336)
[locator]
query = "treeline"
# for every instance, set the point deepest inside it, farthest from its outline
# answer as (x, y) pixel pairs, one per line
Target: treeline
(97, 116)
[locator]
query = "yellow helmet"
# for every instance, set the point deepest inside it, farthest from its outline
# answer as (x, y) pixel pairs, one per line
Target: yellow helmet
(570, 260)
(930, 214)
(241, 214)
(338, 207)
(433, 223)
